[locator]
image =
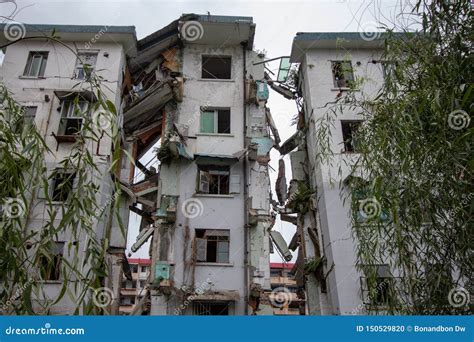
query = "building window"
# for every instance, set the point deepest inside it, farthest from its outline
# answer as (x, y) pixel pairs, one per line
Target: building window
(210, 308)
(214, 180)
(36, 64)
(342, 74)
(134, 268)
(51, 264)
(85, 64)
(388, 70)
(72, 114)
(142, 284)
(212, 245)
(215, 121)
(27, 119)
(216, 67)
(63, 183)
(144, 269)
(378, 285)
(349, 135)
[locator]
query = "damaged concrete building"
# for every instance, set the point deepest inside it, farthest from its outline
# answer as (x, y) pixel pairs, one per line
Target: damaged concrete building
(195, 91)
(198, 89)
(46, 77)
(326, 263)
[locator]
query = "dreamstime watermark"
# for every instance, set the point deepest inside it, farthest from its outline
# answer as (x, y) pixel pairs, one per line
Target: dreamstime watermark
(13, 208)
(191, 31)
(458, 119)
(369, 208)
(46, 330)
(465, 201)
(369, 31)
(98, 213)
(459, 297)
(96, 37)
(205, 286)
(18, 293)
(103, 120)
(280, 297)
(102, 297)
(379, 289)
(14, 31)
(192, 208)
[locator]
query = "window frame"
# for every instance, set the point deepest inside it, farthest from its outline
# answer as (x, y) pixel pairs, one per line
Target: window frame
(55, 177)
(80, 66)
(349, 146)
(205, 176)
(29, 64)
(210, 56)
(53, 273)
(218, 237)
(216, 111)
(345, 80)
(72, 111)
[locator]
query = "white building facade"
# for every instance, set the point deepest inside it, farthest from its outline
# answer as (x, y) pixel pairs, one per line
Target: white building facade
(328, 63)
(47, 76)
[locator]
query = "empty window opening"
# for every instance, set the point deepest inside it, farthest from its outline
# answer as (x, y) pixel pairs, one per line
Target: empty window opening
(379, 285)
(214, 180)
(215, 121)
(211, 308)
(72, 114)
(216, 67)
(51, 264)
(85, 64)
(342, 73)
(212, 245)
(36, 64)
(349, 135)
(63, 183)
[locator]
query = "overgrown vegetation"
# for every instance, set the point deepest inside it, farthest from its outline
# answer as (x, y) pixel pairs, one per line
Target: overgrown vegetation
(415, 151)
(29, 226)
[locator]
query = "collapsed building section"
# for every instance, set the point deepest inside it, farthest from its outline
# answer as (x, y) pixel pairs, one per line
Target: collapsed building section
(198, 89)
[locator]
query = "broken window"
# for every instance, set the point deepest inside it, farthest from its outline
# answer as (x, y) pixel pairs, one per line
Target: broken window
(378, 285)
(51, 264)
(214, 180)
(349, 135)
(85, 64)
(212, 245)
(215, 121)
(342, 74)
(72, 114)
(63, 183)
(216, 67)
(201, 308)
(36, 64)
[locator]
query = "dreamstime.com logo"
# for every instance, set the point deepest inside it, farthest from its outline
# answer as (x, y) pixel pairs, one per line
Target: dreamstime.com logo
(369, 208)
(191, 31)
(369, 31)
(14, 31)
(280, 297)
(458, 119)
(192, 208)
(459, 297)
(13, 208)
(46, 330)
(103, 297)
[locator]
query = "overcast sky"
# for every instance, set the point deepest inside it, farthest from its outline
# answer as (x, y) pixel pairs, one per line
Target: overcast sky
(277, 23)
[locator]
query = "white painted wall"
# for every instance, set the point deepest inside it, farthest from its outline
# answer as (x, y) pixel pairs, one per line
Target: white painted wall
(339, 247)
(31, 92)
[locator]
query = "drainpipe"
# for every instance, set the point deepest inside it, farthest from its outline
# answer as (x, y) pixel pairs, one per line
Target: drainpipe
(246, 230)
